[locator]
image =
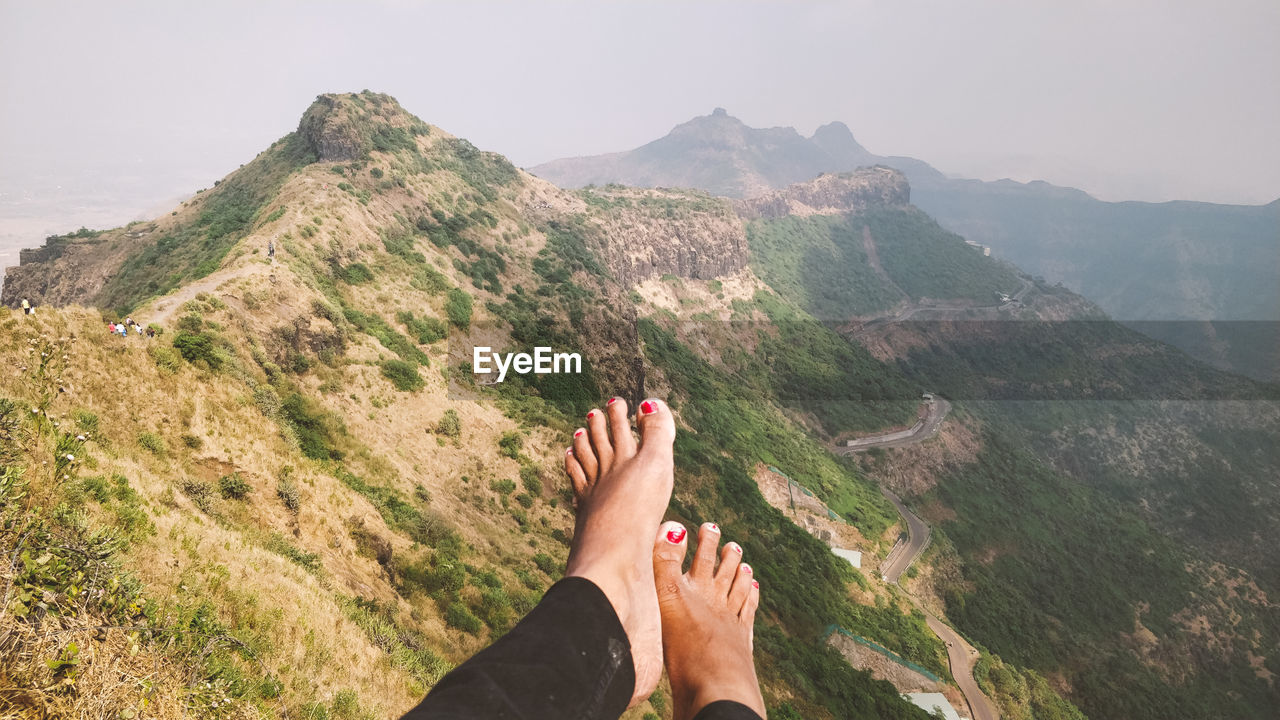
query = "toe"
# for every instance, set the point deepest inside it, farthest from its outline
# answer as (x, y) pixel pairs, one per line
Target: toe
(704, 558)
(598, 432)
(624, 443)
(585, 455)
(657, 427)
(576, 475)
(730, 558)
(748, 612)
(668, 558)
(741, 587)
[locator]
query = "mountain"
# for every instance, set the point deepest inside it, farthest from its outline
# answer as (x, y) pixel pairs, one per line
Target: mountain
(1197, 275)
(300, 499)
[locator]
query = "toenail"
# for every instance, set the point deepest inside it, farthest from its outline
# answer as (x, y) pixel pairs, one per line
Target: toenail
(612, 400)
(569, 451)
(675, 535)
(591, 414)
(736, 547)
(578, 433)
(648, 408)
(713, 527)
(755, 584)
(746, 568)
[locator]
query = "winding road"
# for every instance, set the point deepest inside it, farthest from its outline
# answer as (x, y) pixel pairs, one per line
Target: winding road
(912, 310)
(938, 409)
(960, 654)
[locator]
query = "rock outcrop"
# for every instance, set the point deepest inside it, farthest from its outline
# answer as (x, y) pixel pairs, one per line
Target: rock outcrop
(831, 194)
(331, 132)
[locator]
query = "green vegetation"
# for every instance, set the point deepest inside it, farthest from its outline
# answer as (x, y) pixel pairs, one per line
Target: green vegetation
(194, 249)
(234, 487)
(375, 326)
(927, 261)
(458, 309)
(427, 330)
(403, 375)
(450, 424)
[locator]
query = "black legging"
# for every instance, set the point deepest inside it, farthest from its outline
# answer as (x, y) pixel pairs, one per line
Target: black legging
(568, 659)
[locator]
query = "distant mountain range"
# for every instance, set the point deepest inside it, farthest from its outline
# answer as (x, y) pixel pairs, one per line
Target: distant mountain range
(1202, 276)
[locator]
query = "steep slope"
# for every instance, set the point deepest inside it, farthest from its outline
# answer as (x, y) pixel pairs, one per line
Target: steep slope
(298, 497)
(1200, 276)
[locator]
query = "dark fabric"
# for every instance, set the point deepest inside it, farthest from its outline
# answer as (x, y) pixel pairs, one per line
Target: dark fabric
(726, 710)
(568, 659)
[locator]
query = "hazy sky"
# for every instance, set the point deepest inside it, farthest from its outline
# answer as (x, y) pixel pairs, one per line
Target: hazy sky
(134, 104)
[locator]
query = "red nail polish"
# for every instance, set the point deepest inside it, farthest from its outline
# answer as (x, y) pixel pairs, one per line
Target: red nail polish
(569, 451)
(736, 548)
(755, 584)
(648, 408)
(675, 536)
(578, 433)
(746, 568)
(591, 414)
(612, 400)
(713, 526)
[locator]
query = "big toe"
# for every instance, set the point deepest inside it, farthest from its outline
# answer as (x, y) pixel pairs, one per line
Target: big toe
(668, 558)
(657, 427)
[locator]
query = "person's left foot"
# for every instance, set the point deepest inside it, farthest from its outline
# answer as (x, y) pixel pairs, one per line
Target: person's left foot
(622, 493)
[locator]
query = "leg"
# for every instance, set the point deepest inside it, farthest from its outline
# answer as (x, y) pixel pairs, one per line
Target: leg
(708, 616)
(592, 646)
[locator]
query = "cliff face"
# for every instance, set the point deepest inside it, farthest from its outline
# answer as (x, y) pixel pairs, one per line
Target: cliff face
(67, 270)
(647, 234)
(831, 194)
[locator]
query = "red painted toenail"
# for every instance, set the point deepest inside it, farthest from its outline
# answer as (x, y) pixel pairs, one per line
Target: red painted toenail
(612, 400)
(675, 536)
(591, 414)
(648, 408)
(578, 433)
(569, 451)
(713, 526)
(746, 568)
(736, 547)
(755, 584)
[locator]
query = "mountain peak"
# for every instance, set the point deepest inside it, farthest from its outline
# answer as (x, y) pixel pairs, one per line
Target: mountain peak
(340, 127)
(719, 112)
(837, 139)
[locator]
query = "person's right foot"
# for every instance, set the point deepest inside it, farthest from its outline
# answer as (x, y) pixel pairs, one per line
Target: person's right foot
(708, 617)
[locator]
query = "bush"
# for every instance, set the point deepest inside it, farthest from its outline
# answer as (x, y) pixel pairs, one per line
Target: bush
(403, 375)
(510, 444)
(152, 443)
(375, 172)
(168, 360)
(547, 564)
(525, 500)
(450, 424)
(354, 274)
(458, 308)
(200, 493)
(191, 323)
(426, 329)
(288, 494)
(234, 487)
(194, 442)
(460, 617)
(197, 347)
(503, 486)
(531, 479)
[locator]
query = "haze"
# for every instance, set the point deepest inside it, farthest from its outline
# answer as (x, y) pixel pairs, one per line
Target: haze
(111, 113)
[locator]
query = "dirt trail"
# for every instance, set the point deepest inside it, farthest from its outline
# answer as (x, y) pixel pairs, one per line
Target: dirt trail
(161, 310)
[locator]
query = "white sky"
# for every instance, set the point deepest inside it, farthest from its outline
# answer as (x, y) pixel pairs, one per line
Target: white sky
(139, 103)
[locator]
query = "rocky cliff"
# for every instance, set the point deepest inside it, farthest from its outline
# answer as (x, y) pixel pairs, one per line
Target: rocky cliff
(831, 194)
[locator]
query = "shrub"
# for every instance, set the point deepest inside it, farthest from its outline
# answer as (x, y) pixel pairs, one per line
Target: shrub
(547, 564)
(195, 442)
(200, 493)
(426, 329)
(460, 617)
(167, 359)
(198, 347)
(267, 400)
(458, 308)
(234, 487)
(191, 323)
(531, 479)
(503, 486)
(403, 375)
(450, 424)
(315, 431)
(375, 172)
(354, 274)
(288, 494)
(152, 443)
(510, 444)
(525, 500)
(494, 608)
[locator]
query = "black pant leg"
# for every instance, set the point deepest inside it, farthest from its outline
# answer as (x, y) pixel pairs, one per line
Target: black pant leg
(726, 710)
(568, 659)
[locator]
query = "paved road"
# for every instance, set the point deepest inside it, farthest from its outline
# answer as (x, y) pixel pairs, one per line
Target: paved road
(938, 409)
(960, 655)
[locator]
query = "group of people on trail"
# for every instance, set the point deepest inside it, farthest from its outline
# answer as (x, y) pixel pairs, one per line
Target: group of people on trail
(123, 328)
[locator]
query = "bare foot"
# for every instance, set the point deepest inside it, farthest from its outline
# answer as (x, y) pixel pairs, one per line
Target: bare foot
(708, 621)
(622, 492)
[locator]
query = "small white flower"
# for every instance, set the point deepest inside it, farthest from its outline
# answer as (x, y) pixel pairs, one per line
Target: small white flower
(81, 438)
(35, 411)
(71, 457)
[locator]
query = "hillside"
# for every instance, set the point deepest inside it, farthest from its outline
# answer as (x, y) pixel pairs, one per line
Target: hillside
(299, 499)
(1200, 276)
